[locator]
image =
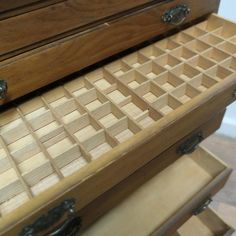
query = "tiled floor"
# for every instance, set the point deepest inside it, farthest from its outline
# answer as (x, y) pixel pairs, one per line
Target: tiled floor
(225, 201)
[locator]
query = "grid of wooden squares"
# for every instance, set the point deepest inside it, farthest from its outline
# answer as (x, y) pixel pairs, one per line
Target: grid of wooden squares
(52, 136)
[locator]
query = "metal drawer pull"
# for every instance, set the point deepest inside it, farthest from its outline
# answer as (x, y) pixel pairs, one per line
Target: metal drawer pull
(176, 15)
(3, 89)
(70, 227)
(203, 207)
(190, 144)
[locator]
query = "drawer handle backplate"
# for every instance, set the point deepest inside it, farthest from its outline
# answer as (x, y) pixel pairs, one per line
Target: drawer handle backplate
(3, 89)
(203, 207)
(190, 144)
(70, 227)
(176, 15)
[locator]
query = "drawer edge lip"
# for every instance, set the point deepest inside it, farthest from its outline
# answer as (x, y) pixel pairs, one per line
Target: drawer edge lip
(205, 149)
(143, 137)
(231, 228)
(208, 191)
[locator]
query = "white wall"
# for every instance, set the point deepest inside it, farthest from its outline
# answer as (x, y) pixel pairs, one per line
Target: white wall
(228, 10)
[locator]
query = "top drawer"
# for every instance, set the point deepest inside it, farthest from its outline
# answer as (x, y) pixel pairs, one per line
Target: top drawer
(64, 55)
(55, 19)
(16, 7)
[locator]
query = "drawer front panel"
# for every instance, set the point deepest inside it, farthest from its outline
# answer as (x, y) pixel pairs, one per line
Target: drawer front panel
(45, 65)
(159, 201)
(12, 7)
(56, 19)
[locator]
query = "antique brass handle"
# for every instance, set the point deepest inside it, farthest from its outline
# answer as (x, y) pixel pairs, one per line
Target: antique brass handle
(176, 15)
(203, 207)
(69, 228)
(190, 144)
(3, 89)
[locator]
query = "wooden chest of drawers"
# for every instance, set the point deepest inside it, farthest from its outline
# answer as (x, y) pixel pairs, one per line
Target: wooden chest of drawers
(73, 150)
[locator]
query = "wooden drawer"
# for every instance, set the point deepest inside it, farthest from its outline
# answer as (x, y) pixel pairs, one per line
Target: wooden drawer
(57, 18)
(14, 7)
(95, 209)
(158, 206)
(207, 223)
(95, 131)
(81, 7)
(28, 71)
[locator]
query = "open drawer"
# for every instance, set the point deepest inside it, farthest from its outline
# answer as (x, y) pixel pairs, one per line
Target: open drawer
(166, 200)
(205, 224)
(93, 132)
(77, 34)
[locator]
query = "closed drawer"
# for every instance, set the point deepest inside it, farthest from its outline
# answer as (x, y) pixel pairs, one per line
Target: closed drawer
(36, 68)
(207, 223)
(55, 19)
(158, 206)
(14, 7)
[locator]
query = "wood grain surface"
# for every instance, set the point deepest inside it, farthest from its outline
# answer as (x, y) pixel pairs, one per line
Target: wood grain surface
(16, 7)
(156, 139)
(47, 64)
(44, 23)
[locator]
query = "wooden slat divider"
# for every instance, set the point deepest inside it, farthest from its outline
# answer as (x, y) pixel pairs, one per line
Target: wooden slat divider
(15, 167)
(43, 149)
(93, 117)
(86, 155)
(109, 99)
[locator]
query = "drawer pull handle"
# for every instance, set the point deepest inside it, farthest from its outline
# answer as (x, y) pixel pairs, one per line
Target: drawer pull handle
(190, 144)
(70, 227)
(3, 89)
(176, 15)
(203, 207)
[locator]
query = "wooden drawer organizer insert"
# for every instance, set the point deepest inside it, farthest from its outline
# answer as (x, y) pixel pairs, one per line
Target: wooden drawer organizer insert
(67, 128)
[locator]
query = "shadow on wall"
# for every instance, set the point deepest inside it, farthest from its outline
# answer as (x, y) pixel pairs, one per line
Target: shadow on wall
(228, 128)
